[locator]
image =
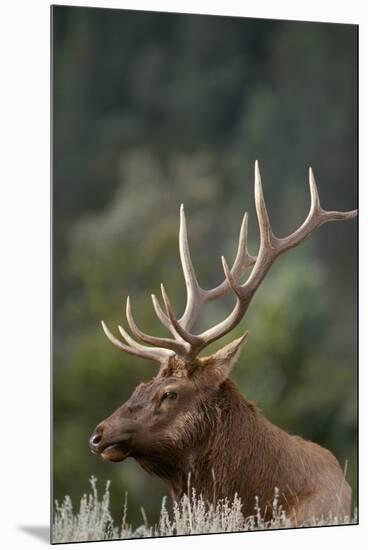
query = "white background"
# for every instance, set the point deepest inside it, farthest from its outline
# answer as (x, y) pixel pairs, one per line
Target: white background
(25, 269)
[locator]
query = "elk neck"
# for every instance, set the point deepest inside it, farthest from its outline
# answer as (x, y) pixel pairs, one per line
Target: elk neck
(242, 453)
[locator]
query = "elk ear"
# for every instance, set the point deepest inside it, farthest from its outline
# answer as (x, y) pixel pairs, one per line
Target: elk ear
(218, 366)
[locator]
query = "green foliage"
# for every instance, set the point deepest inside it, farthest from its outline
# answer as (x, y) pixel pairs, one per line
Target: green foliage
(151, 110)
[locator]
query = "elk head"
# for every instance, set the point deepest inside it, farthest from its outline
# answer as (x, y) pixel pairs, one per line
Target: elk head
(171, 415)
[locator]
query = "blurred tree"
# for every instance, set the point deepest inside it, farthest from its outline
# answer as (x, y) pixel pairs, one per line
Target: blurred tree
(151, 110)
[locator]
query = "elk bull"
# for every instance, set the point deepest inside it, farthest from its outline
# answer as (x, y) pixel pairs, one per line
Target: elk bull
(191, 418)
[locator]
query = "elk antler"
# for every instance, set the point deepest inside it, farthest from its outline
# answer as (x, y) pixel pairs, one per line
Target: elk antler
(184, 342)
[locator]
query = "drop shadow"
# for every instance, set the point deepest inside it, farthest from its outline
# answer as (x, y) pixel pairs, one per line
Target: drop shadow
(40, 532)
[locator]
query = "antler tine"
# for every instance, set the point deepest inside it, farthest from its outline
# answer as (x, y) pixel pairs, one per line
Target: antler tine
(243, 260)
(197, 296)
(317, 216)
(314, 195)
(164, 319)
(194, 291)
(161, 315)
(229, 277)
(265, 230)
(138, 346)
(153, 340)
(135, 349)
(270, 248)
(331, 215)
(185, 335)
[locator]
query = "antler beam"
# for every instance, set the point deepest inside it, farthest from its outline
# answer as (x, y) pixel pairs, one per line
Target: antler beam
(197, 296)
(184, 342)
(159, 355)
(270, 248)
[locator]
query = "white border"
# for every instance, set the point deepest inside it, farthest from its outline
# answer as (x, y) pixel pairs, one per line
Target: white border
(25, 259)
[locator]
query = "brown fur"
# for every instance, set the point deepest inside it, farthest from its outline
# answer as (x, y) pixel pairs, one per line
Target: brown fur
(248, 455)
(213, 433)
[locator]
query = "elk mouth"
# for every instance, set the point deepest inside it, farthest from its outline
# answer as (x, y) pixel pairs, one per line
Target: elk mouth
(116, 452)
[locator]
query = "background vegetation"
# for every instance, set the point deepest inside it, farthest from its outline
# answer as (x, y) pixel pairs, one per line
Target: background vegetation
(151, 110)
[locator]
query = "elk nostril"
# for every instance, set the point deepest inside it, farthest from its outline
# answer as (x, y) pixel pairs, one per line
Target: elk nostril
(95, 439)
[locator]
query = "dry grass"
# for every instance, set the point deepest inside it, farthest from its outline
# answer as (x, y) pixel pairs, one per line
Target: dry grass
(191, 516)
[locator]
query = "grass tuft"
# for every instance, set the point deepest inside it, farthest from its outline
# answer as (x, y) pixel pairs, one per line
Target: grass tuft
(190, 516)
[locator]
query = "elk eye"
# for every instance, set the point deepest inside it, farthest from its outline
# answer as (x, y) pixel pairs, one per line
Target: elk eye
(170, 395)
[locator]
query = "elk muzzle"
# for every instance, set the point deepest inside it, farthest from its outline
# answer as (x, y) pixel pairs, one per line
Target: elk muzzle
(111, 443)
